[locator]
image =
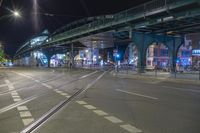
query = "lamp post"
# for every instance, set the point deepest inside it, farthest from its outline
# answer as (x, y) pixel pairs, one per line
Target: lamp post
(16, 14)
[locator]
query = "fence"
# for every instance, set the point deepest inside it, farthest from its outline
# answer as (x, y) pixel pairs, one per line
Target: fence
(189, 72)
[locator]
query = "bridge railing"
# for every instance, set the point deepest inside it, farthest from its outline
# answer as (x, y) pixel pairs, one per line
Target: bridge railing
(119, 17)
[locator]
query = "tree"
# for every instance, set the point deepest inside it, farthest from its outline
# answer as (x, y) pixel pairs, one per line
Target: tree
(2, 59)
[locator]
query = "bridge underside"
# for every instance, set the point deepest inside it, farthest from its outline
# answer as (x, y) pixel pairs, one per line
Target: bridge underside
(160, 21)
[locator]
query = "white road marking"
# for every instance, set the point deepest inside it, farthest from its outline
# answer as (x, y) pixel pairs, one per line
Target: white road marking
(97, 79)
(14, 105)
(88, 75)
(113, 119)
(17, 99)
(14, 91)
(46, 85)
(27, 121)
(64, 94)
(22, 108)
(81, 102)
(131, 128)
(16, 96)
(137, 94)
(37, 81)
(59, 91)
(25, 114)
(89, 107)
(100, 112)
(67, 96)
(3, 85)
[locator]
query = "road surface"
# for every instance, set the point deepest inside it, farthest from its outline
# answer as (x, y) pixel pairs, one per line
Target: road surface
(94, 101)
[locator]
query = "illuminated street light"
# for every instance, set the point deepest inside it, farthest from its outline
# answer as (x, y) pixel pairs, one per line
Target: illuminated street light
(16, 14)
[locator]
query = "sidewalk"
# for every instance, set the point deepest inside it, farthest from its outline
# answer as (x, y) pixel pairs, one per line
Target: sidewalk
(179, 77)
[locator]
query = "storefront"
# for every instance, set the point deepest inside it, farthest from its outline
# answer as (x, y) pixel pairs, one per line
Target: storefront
(196, 58)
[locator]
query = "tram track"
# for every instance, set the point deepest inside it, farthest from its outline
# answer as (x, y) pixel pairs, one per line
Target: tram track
(58, 87)
(47, 116)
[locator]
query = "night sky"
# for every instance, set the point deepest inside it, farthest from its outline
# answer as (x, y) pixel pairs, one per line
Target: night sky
(13, 31)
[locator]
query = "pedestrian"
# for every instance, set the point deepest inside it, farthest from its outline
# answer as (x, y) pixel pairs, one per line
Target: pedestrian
(70, 64)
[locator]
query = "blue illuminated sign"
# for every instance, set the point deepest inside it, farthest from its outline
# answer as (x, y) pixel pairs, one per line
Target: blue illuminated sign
(196, 52)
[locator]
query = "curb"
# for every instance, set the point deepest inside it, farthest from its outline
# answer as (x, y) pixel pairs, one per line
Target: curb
(125, 76)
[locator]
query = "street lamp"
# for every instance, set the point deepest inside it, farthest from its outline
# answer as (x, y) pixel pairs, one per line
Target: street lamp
(16, 13)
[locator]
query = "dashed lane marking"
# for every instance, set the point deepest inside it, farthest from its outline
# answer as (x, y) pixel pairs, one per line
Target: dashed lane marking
(14, 94)
(25, 114)
(137, 94)
(100, 112)
(46, 85)
(67, 96)
(81, 102)
(27, 121)
(17, 99)
(89, 107)
(64, 94)
(113, 119)
(22, 108)
(59, 91)
(17, 104)
(131, 128)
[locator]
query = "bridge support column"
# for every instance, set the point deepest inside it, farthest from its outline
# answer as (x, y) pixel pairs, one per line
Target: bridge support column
(174, 46)
(48, 53)
(33, 61)
(72, 63)
(141, 40)
(144, 40)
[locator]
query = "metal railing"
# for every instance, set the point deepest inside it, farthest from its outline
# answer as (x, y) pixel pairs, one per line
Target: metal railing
(190, 72)
(120, 17)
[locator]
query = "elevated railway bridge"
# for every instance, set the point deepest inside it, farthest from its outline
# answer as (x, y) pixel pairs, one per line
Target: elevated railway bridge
(158, 21)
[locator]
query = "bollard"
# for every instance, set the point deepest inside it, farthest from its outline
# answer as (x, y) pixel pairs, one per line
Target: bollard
(155, 71)
(175, 73)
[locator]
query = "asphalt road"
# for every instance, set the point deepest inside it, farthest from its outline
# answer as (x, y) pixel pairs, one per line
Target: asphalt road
(95, 101)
